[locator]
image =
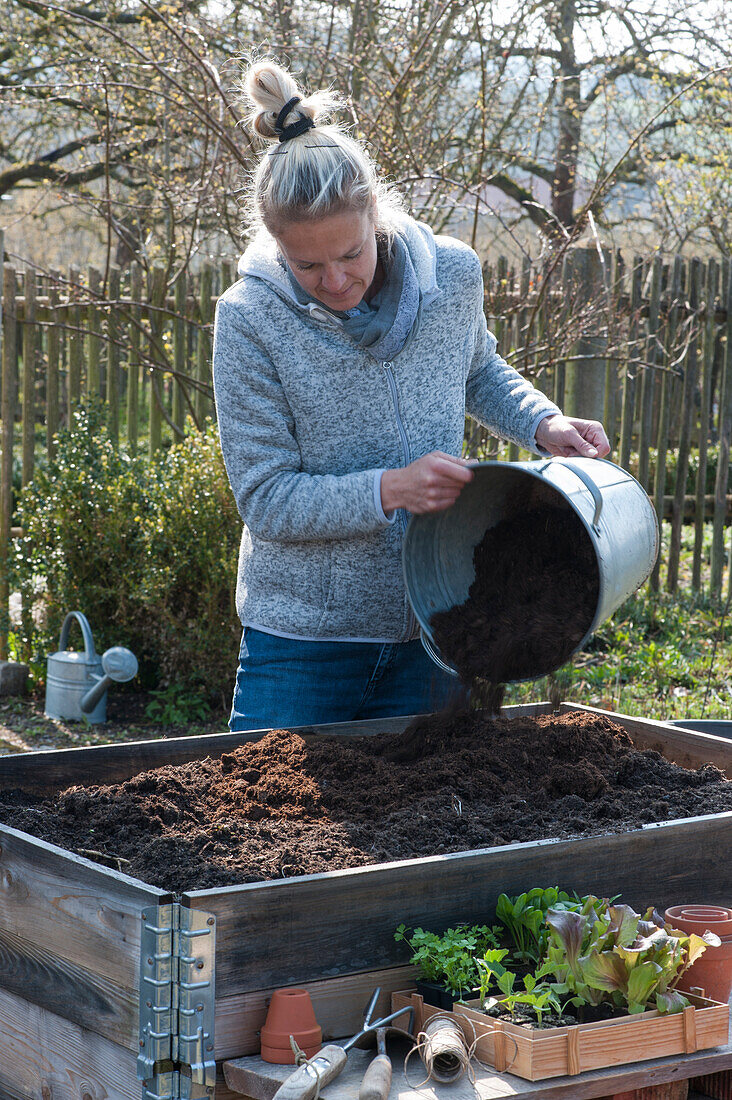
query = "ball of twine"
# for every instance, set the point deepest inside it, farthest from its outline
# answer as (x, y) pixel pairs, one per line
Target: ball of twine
(444, 1051)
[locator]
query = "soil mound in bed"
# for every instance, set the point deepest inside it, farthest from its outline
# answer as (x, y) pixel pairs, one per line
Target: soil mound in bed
(284, 806)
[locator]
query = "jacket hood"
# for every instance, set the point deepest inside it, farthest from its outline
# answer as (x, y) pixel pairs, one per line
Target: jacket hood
(262, 260)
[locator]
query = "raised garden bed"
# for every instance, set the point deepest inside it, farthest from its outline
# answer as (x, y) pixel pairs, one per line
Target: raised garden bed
(76, 937)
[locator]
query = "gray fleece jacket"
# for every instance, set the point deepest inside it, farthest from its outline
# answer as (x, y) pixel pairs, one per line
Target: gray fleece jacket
(309, 421)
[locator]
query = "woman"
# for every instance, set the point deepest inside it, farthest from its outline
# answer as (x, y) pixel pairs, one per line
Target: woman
(345, 358)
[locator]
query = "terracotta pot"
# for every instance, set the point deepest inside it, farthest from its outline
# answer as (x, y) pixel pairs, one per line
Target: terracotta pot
(713, 971)
(290, 1013)
(701, 918)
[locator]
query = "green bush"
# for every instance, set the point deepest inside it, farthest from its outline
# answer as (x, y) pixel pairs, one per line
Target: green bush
(147, 551)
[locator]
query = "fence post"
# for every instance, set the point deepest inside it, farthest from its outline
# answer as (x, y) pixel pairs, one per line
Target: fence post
(631, 370)
(93, 372)
(664, 413)
(612, 373)
(179, 349)
(585, 379)
(53, 416)
(133, 367)
(648, 374)
(73, 316)
(9, 401)
(157, 302)
(203, 347)
(29, 345)
(113, 329)
(691, 374)
(725, 432)
(708, 341)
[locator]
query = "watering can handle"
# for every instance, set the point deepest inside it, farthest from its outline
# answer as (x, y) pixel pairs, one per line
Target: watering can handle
(589, 484)
(432, 652)
(86, 633)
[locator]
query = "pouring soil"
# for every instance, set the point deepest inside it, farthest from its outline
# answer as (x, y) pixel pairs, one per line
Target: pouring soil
(288, 806)
(532, 601)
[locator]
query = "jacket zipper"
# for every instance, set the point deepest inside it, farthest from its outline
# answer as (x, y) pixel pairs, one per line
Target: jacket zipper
(387, 365)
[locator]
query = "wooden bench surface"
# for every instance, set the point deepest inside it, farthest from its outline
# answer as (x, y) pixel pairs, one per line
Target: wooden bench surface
(258, 1080)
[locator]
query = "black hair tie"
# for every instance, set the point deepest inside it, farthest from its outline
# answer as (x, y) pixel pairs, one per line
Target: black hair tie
(303, 124)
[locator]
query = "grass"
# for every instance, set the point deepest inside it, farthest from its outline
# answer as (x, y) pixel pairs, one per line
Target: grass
(656, 657)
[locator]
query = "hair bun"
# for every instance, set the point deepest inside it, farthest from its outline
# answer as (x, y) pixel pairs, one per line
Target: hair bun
(268, 87)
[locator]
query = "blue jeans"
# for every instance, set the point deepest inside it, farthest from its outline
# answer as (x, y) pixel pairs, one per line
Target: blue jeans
(283, 682)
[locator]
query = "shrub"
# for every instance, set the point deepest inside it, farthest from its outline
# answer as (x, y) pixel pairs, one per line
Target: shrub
(188, 582)
(147, 551)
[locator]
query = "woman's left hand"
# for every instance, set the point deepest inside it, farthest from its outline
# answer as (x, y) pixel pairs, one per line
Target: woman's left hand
(570, 437)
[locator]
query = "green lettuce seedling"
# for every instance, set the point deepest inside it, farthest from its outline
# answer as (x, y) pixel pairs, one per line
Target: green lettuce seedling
(607, 953)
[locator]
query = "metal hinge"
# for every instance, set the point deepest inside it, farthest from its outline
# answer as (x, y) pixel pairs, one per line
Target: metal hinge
(177, 970)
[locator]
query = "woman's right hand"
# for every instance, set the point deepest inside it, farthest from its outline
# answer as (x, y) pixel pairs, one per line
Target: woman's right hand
(430, 484)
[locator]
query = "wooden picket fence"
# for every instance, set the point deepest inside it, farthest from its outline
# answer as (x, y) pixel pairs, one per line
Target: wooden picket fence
(645, 346)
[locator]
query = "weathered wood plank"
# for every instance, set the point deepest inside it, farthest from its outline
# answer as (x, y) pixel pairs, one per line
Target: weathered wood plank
(344, 921)
(45, 1057)
(67, 922)
(339, 1005)
(68, 989)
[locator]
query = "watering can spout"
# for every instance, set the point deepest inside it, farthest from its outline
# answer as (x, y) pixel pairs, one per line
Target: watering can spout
(119, 665)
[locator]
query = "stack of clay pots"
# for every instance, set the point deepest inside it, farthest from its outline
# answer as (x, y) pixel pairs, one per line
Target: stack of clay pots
(712, 972)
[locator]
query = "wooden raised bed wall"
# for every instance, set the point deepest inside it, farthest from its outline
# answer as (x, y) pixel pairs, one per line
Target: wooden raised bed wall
(78, 941)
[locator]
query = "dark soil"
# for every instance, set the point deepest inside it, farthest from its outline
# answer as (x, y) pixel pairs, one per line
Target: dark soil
(284, 806)
(532, 601)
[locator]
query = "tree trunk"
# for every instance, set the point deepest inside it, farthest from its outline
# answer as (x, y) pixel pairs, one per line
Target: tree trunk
(569, 115)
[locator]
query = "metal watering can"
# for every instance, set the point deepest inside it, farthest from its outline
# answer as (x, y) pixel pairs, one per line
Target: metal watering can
(613, 508)
(76, 683)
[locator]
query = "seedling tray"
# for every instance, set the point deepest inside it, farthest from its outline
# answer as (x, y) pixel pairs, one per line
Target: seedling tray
(537, 1054)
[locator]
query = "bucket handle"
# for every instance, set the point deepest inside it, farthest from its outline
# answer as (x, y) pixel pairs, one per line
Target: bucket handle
(89, 650)
(589, 484)
(432, 652)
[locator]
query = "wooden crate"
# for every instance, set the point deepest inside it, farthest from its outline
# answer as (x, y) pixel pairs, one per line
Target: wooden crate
(73, 939)
(537, 1055)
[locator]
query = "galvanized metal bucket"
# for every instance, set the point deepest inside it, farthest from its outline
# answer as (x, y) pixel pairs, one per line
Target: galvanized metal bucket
(614, 509)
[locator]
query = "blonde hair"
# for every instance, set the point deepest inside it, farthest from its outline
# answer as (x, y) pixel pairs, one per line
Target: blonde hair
(321, 171)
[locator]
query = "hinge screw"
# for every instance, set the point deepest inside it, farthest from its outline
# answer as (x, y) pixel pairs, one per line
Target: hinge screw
(199, 965)
(209, 921)
(149, 962)
(142, 1042)
(199, 1008)
(209, 1046)
(148, 1004)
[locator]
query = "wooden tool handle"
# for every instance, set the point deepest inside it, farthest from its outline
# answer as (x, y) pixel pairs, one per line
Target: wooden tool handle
(303, 1083)
(376, 1080)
